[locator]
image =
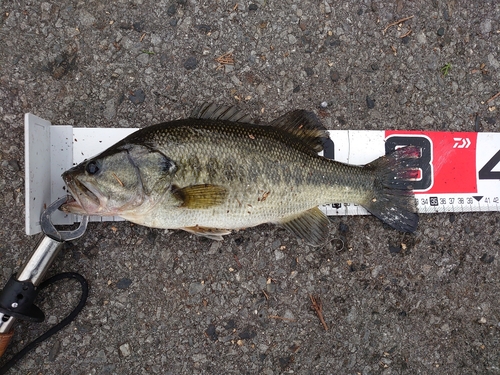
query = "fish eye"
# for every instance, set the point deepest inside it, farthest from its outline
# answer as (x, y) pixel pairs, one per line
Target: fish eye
(92, 167)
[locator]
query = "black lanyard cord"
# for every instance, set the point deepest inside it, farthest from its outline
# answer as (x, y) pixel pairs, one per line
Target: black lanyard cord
(63, 323)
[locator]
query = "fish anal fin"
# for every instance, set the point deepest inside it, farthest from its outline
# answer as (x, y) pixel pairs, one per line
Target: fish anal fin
(212, 111)
(305, 126)
(200, 196)
(212, 233)
(311, 225)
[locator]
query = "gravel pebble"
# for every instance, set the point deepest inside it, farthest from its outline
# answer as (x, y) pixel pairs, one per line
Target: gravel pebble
(85, 18)
(172, 9)
(370, 103)
(446, 14)
(137, 97)
(328, 9)
(334, 75)
(211, 332)
(12, 165)
(190, 63)
(195, 288)
(125, 350)
(110, 109)
(343, 228)
(139, 26)
(421, 38)
(124, 283)
(278, 254)
(493, 61)
(247, 334)
(490, 120)
(199, 358)
(485, 26)
(54, 351)
(394, 249)
(143, 58)
(420, 85)
(487, 258)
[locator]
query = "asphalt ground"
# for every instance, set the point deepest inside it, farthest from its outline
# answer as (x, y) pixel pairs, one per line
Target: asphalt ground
(166, 302)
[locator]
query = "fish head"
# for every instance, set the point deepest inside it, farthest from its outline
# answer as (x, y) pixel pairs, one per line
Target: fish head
(120, 180)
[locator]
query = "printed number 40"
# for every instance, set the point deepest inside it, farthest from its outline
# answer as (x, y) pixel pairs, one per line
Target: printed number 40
(486, 172)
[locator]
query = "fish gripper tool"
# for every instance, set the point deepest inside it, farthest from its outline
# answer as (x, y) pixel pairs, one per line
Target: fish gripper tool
(16, 298)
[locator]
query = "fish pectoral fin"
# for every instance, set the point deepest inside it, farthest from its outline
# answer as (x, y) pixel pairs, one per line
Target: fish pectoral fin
(212, 233)
(305, 127)
(311, 225)
(200, 196)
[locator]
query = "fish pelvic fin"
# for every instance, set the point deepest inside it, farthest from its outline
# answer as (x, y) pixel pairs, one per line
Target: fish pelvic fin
(211, 233)
(200, 196)
(393, 200)
(305, 127)
(312, 226)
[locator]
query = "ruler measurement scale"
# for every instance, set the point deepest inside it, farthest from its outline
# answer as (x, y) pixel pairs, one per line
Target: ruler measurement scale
(426, 204)
(459, 171)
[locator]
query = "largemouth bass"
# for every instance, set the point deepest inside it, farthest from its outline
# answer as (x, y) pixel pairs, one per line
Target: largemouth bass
(216, 172)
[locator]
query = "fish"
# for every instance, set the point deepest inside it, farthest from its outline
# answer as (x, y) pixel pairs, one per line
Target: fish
(216, 171)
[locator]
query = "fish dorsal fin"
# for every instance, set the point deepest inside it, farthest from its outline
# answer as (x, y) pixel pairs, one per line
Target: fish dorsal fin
(212, 111)
(305, 126)
(212, 233)
(311, 225)
(200, 196)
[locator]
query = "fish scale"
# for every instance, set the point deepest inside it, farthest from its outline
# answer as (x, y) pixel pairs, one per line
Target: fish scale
(296, 181)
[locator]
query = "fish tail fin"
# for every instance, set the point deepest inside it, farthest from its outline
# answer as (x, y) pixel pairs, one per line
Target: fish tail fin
(393, 200)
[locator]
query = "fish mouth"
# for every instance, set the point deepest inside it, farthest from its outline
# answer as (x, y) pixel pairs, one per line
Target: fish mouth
(82, 200)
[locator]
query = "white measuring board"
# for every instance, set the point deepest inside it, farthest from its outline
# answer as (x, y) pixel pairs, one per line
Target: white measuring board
(459, 171)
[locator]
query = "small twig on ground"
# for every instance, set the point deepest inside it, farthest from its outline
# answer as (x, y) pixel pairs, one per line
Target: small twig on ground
(397, 22)
(493, 97)
(265, 294)
(281, 318)
(318, 307)
(238, 264)
(225, 59)
(406, 34)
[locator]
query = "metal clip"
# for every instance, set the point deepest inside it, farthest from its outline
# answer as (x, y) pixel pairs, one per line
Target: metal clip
(50, 230)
